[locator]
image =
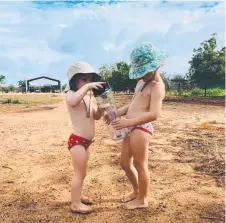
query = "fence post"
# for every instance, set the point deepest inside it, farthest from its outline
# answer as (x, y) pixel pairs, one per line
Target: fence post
(205, 89)
(26, 90)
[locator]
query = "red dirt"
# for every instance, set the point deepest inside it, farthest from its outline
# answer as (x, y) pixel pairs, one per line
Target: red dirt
(36, 168)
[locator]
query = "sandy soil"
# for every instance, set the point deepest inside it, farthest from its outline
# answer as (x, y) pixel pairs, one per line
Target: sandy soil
(185, 162)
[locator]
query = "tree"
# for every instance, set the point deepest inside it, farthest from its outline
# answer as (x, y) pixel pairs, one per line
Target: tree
(2, 78)
(22, 83)
(11, 87)
(180, 82)
(178, 78)
(207, 66)
(117, 74)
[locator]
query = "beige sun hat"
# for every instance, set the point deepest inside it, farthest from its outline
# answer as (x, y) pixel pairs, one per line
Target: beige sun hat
(80, 67)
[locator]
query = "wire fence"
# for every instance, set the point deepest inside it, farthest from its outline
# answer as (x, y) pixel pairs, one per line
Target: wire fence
(185, 88)
(173, 88)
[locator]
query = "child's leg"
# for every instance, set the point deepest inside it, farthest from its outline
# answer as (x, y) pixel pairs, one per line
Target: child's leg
(79, 160)
(126, 163)
(84, 199)
(139, 142)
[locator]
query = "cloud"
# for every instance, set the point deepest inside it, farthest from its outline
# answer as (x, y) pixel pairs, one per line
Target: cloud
(10, 18)
(62, 25)
(5, 30)
(181, 64)
(44, 38)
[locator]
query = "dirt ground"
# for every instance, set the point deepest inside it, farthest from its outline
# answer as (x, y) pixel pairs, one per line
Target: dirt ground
(186, 162)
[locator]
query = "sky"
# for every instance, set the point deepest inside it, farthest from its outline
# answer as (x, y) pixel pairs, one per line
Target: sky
(42, 38)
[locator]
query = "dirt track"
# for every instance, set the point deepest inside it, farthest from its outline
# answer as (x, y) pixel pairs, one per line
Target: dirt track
(36, 168)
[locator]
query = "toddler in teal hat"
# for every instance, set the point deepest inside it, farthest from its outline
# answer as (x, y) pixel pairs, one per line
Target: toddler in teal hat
(144, 108)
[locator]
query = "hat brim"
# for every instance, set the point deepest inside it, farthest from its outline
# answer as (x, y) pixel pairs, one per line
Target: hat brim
(139, 72)
(96, 78)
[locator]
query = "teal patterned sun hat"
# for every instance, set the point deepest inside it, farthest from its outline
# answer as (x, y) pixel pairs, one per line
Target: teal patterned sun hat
(144, 59)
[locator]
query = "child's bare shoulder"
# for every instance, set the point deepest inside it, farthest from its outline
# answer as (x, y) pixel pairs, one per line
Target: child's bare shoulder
(139, 82)
(157, 84)
(158, 88)
(69, 92)
(139, 85)
(69, 98)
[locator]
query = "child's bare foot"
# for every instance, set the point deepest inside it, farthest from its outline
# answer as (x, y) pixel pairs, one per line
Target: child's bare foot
(86, 200)
(136, 204)
(81, 208)
(129, 197)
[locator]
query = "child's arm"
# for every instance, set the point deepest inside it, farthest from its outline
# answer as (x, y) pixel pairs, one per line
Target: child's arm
(73, 98)
(157, 96)
(122, 111)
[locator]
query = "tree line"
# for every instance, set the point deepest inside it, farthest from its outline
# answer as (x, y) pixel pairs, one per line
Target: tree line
(207, 68)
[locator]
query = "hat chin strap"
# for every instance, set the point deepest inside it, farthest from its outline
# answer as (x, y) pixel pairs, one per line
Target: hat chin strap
(88, 109)
(151, 79)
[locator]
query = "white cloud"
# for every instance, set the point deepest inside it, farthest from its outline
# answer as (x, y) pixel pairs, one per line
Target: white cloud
(5, 30)
(190, 28)
(181, 64)
(62, 25)
(35, 41)
(109, 46)
(10, 18)
(196, 1)
(41, 56)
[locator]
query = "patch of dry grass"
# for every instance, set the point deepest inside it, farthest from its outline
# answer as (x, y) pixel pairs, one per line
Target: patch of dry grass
(15, 103)
(205, 148)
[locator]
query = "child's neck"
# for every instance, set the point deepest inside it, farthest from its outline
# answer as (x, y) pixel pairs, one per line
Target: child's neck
(152, 78)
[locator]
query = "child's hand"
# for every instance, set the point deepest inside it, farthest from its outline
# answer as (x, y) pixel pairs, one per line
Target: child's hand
(95, 85)
(121, 123)
(106, 118)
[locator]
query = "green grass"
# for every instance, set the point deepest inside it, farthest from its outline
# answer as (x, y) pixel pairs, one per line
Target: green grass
(213, 92)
